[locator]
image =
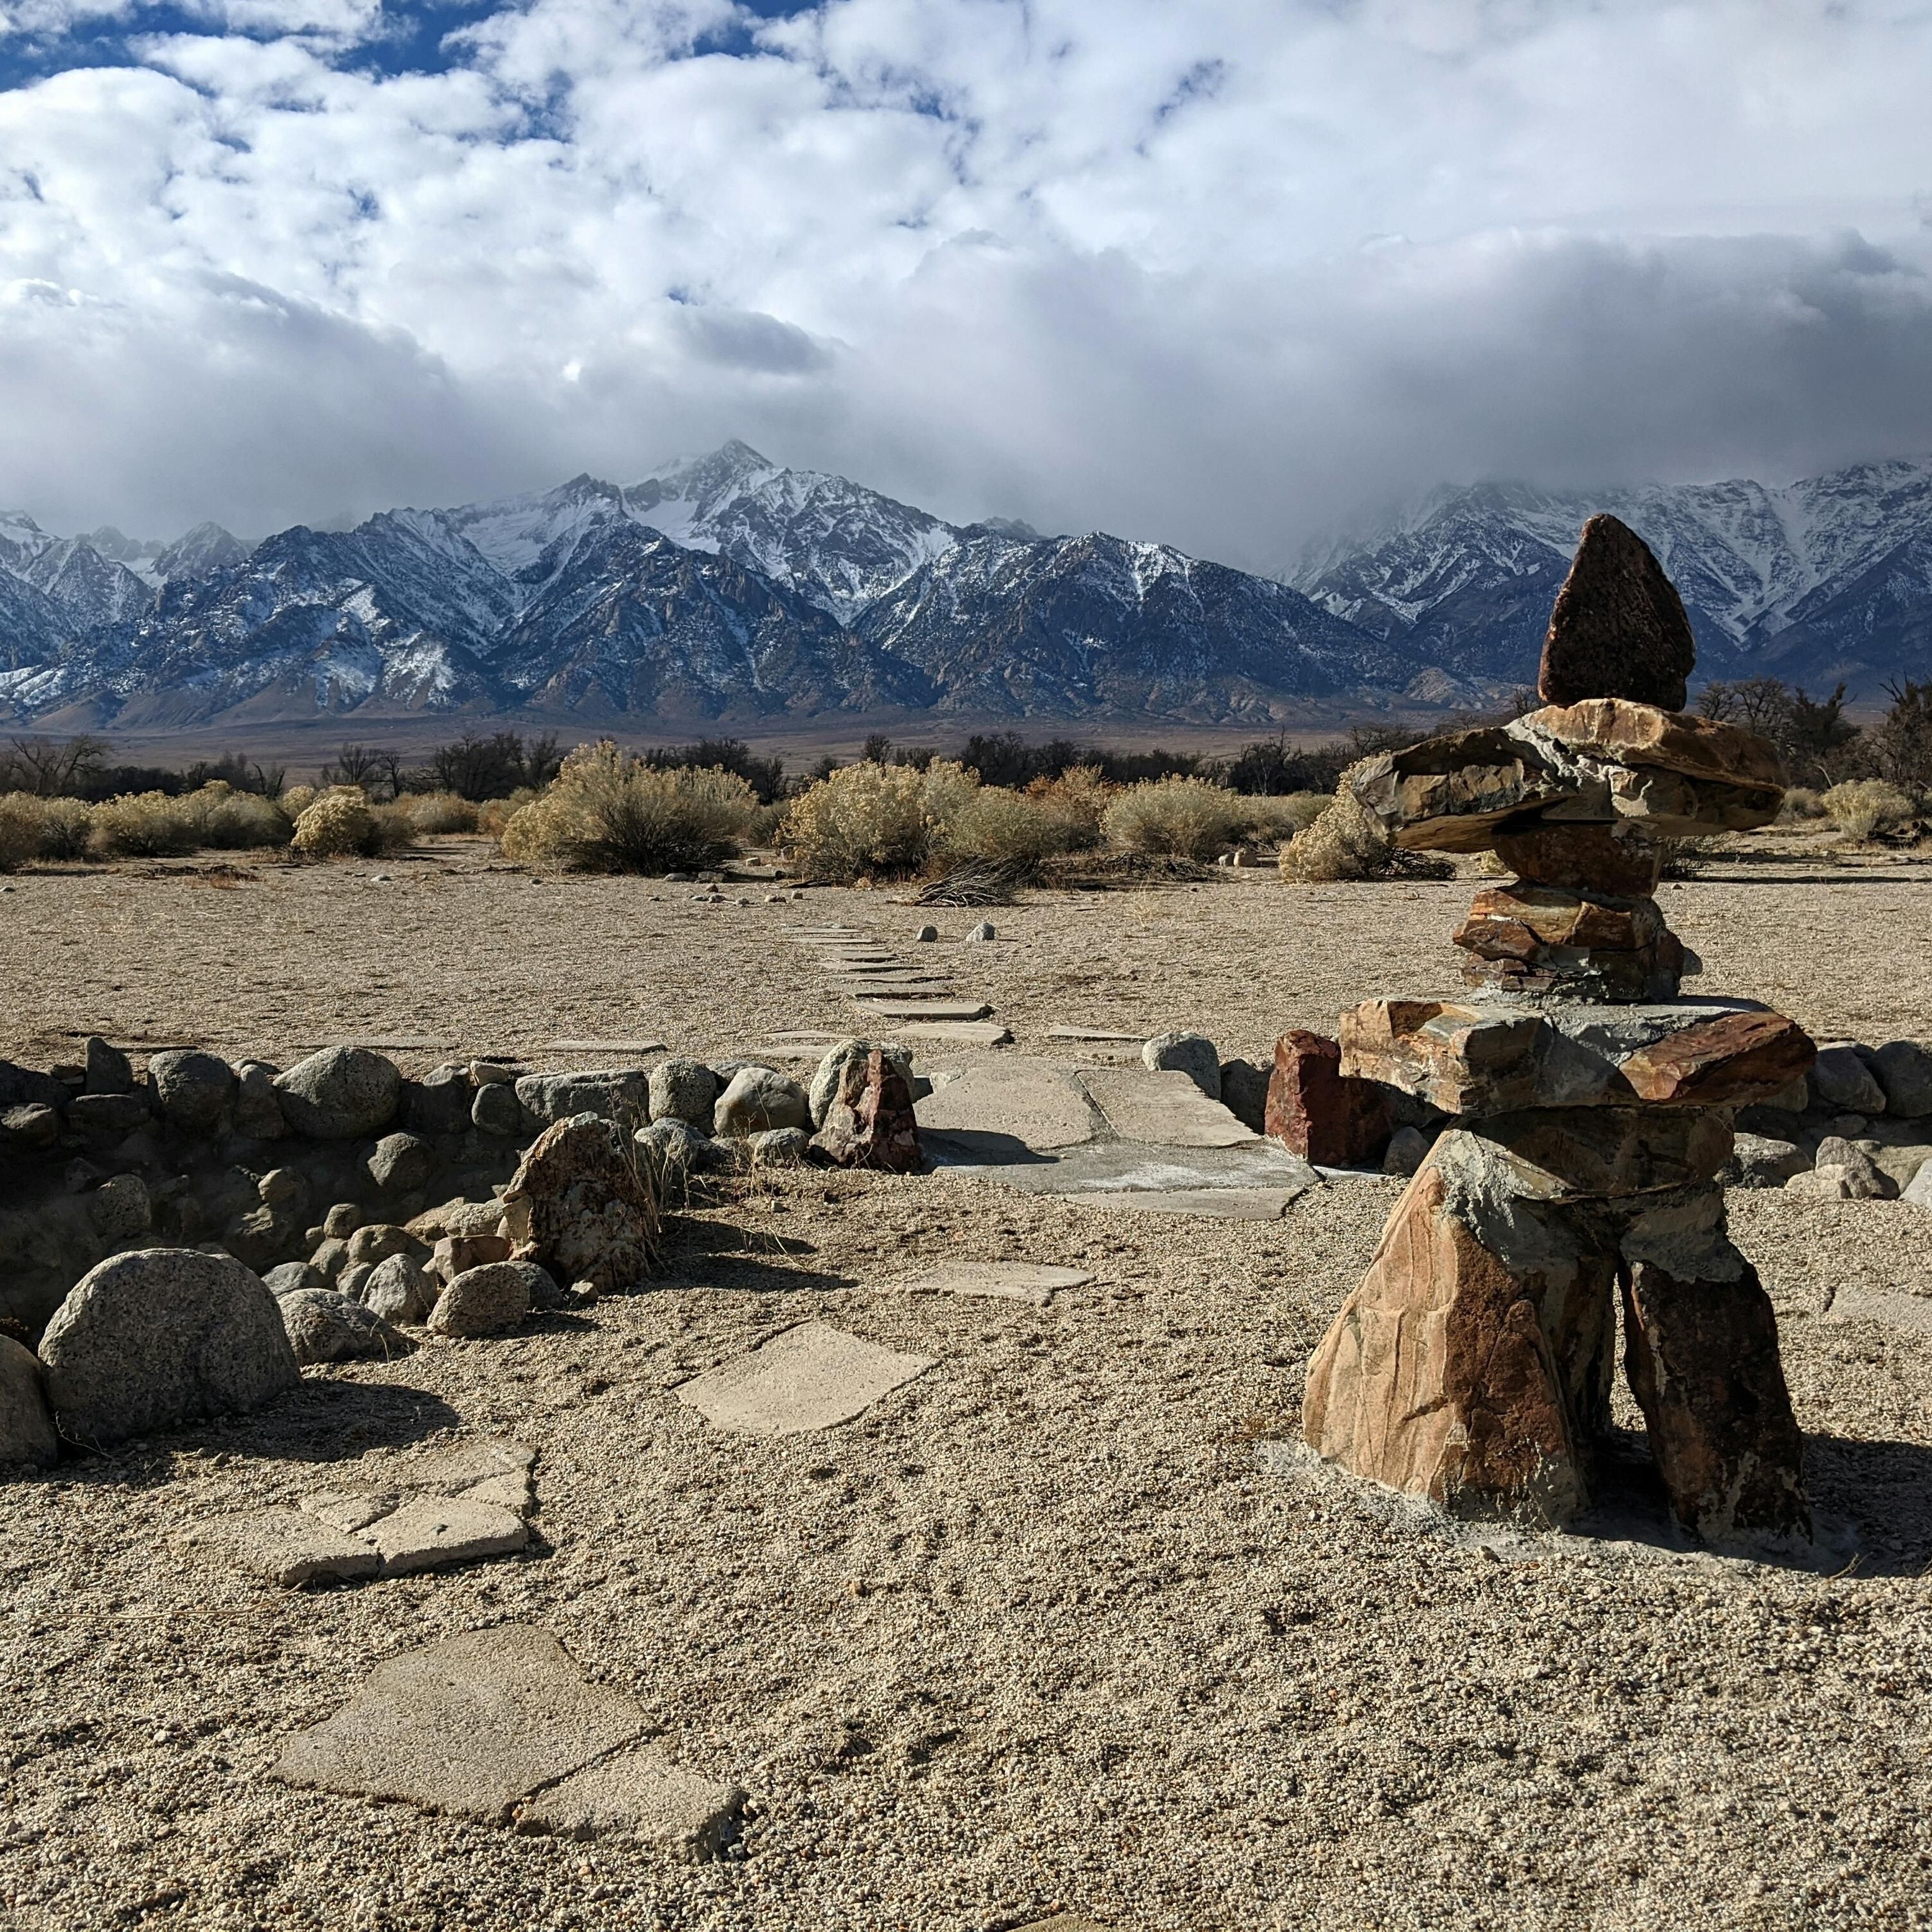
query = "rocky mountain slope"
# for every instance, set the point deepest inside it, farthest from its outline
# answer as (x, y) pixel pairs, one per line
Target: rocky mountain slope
(731, 588)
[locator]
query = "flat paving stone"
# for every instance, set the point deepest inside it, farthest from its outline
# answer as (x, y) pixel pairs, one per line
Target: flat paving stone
(643, 1795)
(1112, 1167)
(957, 1032)
(1912, 1313)
(1100, 1035)
(607, 1046)
(1210, 1204)
(1064, 1922)
(892, 1008)
(1035, 1282)
(293, 1550)
(1165, 1109)
(466, 1727)
(1029, 1102)
(350, 1510)
(813, 1376)
(434, 1532)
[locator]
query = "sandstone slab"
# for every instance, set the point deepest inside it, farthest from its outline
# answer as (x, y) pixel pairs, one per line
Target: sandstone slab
(1030, 1101)
(437, 1533)
(1163, 1109)
(294, 1549)
(643, 1795)
(1206, 1204)
(1110, 1167)
(1034, 1281)
(811, 1377)
(467, 1726)
(892, 1007)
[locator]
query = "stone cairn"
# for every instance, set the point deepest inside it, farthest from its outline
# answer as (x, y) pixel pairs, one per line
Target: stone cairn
(1592, 1108)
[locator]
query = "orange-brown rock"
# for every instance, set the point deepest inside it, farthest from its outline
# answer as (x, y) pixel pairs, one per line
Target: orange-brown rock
(1316, 1112)
(1733, 1060)
(1621, 975)
(1521, 921)
(1457, 1058)
(1617, 859)
(1702, 1357)
(1453, 1374)
(1448, 794)
(1618, 628)
(1628, 733)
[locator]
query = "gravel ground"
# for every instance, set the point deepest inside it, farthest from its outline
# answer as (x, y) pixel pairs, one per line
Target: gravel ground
(1049, 1629)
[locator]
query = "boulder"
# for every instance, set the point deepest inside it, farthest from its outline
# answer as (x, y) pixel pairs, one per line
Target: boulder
(154, 1339)
(926, 935)
(1903, 1069)
(325, 1326)
(781, 1147)
(673, 1151)
(262, 1236)
(354, 1279)
(440, 1102)
(1407, 1150)
(580, 1205)
(983, 931)
(1759, 1161)
(291, 1277)
(484, 1300)
(622, 1095)
(871, 1123)
(1842, 1083)
(194, 1091)
(1193, 1054)
(342, 1220)
(329, 1258)
(397, 1290)
(33, 1126)
(258, 1113)
(109, 1070)
(758, 1099)
(378, 1241)
(341, 1093)
(287, 1189)
(683, 1090)
(1863, 1178)
(1327, 1119)
(456, 1254)
(1618, 629)
(830, 1071)
(26, 1428)
(26, 1087)
(1918, 1190)
(497, 1110)
(1244, 1093)
(401, 1163)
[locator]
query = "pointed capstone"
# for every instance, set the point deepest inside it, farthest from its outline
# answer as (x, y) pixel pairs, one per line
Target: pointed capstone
(1618, 629)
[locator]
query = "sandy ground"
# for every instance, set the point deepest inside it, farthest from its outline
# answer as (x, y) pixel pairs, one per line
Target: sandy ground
(1043, 1630)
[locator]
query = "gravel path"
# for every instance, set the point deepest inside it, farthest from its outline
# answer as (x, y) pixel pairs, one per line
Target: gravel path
(1043, 1630)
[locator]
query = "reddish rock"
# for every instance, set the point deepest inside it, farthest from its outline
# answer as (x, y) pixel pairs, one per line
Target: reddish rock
(457, 1254)
(1519, 921)
(1645, 736)
(1324, 1117)
(1740, 1058)
(581, 1206)
(1618, 629)
(871, 1123)
(1614, 859)
(1702, 1357)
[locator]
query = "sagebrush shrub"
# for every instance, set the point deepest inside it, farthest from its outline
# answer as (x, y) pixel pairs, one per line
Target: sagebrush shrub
(439, 811)
(20, 830)
(140, 825)
(607, 812)
(1172, 817)
(227, 820)
(1346, 842)
(1077, 801)
(1860, 806)
(338, 825)
(1280, 818)
(1008, 828)
(1800, 803)
(494, 814)
(868, 820)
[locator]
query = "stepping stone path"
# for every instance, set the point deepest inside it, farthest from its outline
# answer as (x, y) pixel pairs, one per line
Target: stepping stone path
(883, 984)
(1006, 1281)
(502, 1726)
(1166, 1108)
(813, 1376)
(450, 1507)
(1025, 1102)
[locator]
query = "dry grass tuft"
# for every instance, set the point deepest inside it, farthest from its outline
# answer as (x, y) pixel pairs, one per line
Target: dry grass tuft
(1347, 842)
(1860, 806)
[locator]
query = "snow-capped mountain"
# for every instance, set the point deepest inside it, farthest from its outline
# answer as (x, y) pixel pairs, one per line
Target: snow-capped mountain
(1826, 578)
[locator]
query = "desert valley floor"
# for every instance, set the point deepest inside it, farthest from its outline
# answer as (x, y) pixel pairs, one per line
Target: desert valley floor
(1050, 1630)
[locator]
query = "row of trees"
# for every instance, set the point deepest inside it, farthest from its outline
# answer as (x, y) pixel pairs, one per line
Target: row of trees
(1820, 745)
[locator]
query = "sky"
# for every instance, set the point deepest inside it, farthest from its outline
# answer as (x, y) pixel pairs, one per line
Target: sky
(1223, 273)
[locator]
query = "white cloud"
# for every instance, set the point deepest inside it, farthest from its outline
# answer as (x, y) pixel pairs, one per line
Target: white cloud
(1208, 272)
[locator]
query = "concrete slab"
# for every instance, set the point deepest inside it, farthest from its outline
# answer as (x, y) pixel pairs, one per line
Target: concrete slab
(1164, 1109)
(606, 1046)
(1063, 1922)
(467, 1726)
(1210, 1204)
(957, 1032)
(350, 1510)
(433, 1532)
(294, 1549)
(1114, 1167)
(892, 1007)
(643, 1795)
(813, 1376)
(1098, 1034)
(1018, 1104)
(1035, 1282)
(1911, 1313)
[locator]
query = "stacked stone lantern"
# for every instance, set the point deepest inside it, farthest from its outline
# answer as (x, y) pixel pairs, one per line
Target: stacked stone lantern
(1592, 1107)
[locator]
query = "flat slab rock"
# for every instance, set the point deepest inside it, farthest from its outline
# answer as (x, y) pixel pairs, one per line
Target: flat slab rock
(813, 1376)
(501, 1723)
(1034, 1281)
(607, 1046)
(896, 1009)
(1029, 1101)
(1164, 1109)
(1115, 1167)
(1911, 1313)
(1206, 1204)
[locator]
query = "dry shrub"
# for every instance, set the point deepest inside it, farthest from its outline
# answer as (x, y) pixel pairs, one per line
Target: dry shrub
(1800, 803)
(41, 828)
(1347, 841)
(1008, 829)
(1077, 800)
(20, 830)
(140, 825)
(439, 811)
(395, 829)
(1858, 807)
(227, 820)
(1172, 817)
(607, 812)
(494, 814)
(338, 825)
(870, 819)
(298, 799)
(1280, 818)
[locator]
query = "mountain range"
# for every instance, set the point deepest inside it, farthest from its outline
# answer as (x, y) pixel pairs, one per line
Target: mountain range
(731, 589)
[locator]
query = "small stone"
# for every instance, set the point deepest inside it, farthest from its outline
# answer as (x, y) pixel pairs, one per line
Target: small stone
(107, 1116)
(485, 1301)
(497, 1110)
(109, 1070)
(758, 1099)
(491, 1073)
(329, 1258)
(1193, 1054)
(33, 1126)
(342, 1092)
(192, 1091)
(1849, 1126)
(1758, 1161)
(378, 1241)
(27, 1435)
(1842, 1081)
(397, 1290)
(1918, 1190)
(286, 1189)
(437, 1533)
(292, 1277)
(440, 1102)
(1408, 1148)
(1618, 628)
(1864, 1179)
(1821, 1184)
(324, 1325)
(925, 935)
(676, 1150)
(684, 1090)
(1314, 1111)
(354, 1278)
(401, 1163)
(781, 1147)
(809, 1377)
(456, 1254)
(342, 1220)
(1903, 1069)
(149, 1340)
(294, 1549)
(258, 1112)
(983, 931)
